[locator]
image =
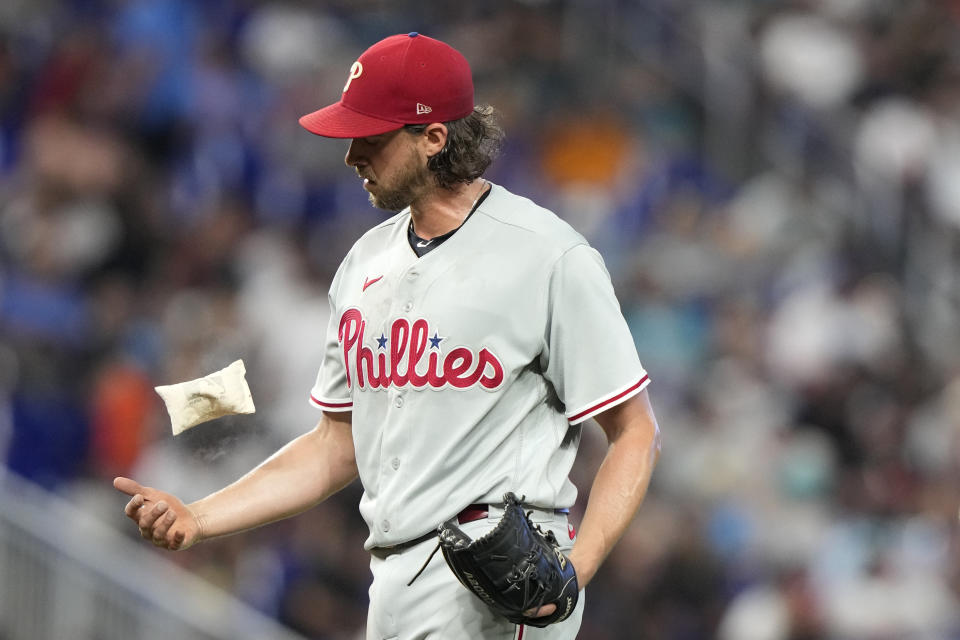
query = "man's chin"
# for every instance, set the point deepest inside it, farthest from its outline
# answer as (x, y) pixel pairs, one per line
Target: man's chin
(379, 203)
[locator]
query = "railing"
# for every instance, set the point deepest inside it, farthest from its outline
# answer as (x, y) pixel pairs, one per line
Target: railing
(66, 576)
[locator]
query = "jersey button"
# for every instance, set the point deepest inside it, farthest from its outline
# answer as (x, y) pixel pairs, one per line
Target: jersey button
(395, 463)
(408, 306)
(398, 402)
(385, 525)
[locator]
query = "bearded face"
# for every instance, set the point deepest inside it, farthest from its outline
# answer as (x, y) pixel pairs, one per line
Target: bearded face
(399, 185)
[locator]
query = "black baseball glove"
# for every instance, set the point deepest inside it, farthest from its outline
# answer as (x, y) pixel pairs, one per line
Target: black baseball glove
(513, 568)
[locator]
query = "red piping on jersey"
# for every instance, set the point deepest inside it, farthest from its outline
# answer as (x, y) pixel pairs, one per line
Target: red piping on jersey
(600, 405)
(331, 405)
(520, 633)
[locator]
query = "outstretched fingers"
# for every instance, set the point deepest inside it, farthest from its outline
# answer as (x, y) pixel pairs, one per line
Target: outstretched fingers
(160, 517)
(149, 516)
(162, 526)
(132, 510)
(128, 486)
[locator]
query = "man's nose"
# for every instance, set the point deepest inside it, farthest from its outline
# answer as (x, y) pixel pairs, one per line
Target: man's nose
(353, 157)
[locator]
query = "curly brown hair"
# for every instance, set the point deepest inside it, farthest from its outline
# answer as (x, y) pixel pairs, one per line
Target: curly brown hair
(473, 142)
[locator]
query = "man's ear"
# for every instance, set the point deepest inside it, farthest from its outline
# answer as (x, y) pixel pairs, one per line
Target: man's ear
(434, 138)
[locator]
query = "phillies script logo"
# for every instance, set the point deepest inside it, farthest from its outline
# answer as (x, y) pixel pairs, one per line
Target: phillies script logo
(410, 356)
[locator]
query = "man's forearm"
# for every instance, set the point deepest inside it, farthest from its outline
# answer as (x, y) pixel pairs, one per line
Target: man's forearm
(303, 473)
(620, 484)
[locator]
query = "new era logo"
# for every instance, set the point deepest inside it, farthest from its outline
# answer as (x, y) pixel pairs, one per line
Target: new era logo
(422, 109)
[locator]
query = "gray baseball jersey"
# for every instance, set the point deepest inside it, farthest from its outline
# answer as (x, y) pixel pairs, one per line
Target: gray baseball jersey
(468, 369)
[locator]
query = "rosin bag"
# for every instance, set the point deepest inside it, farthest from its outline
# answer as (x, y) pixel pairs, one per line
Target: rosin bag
(221, 393)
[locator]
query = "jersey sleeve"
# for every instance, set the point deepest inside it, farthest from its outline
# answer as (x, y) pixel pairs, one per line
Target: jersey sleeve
(330, 391)
(590, 356)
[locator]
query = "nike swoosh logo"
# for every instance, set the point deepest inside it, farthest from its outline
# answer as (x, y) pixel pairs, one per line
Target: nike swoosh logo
(367, 282)
(424, 244)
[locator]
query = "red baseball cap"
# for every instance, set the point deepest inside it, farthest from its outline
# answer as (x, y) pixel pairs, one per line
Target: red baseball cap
(404, 79)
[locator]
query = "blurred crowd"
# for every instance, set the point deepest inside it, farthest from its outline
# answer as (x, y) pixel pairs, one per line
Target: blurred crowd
(775, 186)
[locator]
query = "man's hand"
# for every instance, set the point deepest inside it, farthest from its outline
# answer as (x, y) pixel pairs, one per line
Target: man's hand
(161, 517)
(548, 609)
(545, 610)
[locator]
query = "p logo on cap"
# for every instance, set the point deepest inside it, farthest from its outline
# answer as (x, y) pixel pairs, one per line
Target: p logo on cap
(356, 70)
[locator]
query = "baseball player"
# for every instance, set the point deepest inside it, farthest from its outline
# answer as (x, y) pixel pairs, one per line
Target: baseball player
(472, 333)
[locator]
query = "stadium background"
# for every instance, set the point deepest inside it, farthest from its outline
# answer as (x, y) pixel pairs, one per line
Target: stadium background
(776, 189)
